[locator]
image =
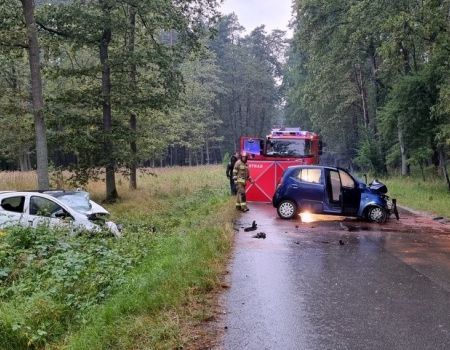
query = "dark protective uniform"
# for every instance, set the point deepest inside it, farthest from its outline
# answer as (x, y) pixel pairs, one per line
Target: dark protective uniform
(241, 176)
(230, 168)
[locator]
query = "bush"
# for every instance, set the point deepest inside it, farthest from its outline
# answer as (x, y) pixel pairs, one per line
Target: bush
(48, 279)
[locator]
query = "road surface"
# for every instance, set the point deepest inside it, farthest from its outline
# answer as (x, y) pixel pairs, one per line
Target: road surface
(381, 287)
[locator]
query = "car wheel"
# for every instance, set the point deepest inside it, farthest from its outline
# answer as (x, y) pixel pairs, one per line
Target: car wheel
(376, 214)
(287, 209)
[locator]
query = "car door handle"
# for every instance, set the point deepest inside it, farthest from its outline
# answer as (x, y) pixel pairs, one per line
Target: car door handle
(295, 187)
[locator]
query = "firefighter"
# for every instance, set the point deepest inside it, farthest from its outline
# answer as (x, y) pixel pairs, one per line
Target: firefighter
(241, 176)
(230, 168)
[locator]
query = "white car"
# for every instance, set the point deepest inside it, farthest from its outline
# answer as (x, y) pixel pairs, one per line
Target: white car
(68, 209)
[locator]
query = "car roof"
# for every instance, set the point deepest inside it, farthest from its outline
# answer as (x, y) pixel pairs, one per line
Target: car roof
(59, 193)
(23, 193)
(53, 193)
(313, 167)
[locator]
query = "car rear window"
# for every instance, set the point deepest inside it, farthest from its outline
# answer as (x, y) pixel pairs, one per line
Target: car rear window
(14, 204)
(313, 176)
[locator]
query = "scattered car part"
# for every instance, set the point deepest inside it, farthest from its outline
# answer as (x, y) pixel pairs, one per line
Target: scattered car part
(260, 235)
(251, 228)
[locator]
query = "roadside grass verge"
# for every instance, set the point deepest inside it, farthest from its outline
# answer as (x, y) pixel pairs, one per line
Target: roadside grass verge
(138, 292)
(430, 196)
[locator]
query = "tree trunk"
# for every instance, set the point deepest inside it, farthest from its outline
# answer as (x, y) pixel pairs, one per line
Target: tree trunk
(405, 165)
(421, 171)
(133, 119)
(111, 191)
(36, 95)
(133, 148)
(363, 95)
(24, 160)
(208, 160)
(28, 159)
(443, 165)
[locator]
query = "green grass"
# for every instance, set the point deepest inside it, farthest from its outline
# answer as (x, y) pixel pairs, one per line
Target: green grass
(139, 292)
(430, 196)
(181, 263)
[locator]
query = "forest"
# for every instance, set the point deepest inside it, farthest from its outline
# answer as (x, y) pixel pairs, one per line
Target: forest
(109, 86)
(132, 83)
(373, 77)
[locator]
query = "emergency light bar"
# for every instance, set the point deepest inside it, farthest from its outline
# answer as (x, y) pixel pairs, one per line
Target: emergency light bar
(289, 132)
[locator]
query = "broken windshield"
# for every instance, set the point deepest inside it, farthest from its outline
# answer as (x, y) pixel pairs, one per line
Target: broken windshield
(77, 200)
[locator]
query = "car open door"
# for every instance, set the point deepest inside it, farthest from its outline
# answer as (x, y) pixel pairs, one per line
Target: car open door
(333, 193)
(351, 194)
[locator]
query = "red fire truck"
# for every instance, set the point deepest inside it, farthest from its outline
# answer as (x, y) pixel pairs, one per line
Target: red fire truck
(269, 157)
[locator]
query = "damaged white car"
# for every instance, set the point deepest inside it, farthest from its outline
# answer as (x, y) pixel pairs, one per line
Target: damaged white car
(68, 209)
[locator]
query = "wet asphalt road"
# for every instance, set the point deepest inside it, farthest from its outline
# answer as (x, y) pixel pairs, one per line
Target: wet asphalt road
(386, 287)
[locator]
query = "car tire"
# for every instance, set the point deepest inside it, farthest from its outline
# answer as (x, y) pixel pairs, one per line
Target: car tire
(376, 214)
(287, 209)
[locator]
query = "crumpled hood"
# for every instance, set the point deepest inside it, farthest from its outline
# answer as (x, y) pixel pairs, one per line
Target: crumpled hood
(378, 187)
(95, 209)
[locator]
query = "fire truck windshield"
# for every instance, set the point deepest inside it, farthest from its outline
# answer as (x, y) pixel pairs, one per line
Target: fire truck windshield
(289, 148)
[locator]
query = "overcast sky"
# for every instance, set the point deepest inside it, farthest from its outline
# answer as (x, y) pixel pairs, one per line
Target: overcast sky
(275, 14)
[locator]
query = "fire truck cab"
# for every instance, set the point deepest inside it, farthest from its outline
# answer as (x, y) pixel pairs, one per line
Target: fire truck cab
(269, 157)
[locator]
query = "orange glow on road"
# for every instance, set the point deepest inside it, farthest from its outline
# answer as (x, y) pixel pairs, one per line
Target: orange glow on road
(306, 217)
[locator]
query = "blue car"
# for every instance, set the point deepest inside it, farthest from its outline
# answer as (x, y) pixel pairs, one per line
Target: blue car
(329, 190)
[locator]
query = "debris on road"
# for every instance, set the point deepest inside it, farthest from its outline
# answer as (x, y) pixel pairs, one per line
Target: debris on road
(347, 227)
(341, 242)
(260, 235)
(251, 228)
(343, 227)
(438, 218)
(395, 209)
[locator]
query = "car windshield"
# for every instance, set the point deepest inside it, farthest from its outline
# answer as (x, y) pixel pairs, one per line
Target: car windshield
(78, 200)
(289, 148)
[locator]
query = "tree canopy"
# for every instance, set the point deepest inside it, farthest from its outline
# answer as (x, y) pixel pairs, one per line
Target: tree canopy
(372, 77)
